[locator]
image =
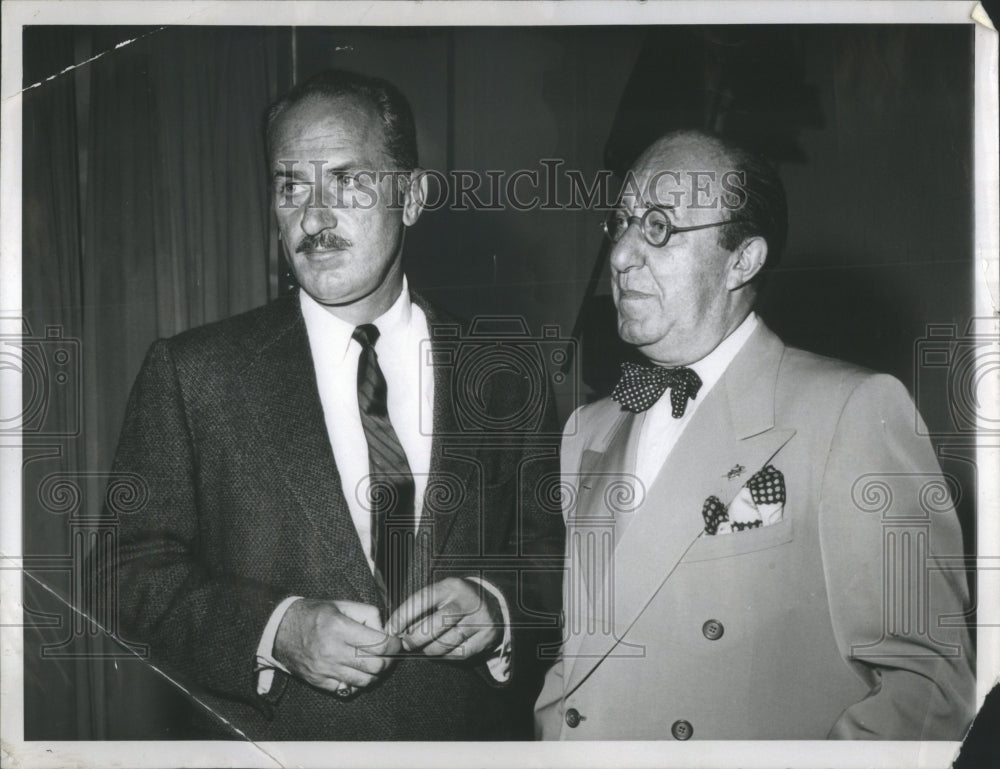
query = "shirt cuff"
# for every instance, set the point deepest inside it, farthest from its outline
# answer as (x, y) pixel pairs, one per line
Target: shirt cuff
(266, 663)
(498, 663)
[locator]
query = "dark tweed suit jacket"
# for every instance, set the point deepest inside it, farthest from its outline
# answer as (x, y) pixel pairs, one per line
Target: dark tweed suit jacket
(245, 507)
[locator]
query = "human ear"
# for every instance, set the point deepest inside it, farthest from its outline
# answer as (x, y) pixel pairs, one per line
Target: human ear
(750, 259)
(414, 197)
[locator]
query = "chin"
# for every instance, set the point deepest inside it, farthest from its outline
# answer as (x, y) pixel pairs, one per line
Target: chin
(327, 294)
(630, 332)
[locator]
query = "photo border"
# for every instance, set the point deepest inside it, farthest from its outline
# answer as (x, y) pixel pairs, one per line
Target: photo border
(17, 14)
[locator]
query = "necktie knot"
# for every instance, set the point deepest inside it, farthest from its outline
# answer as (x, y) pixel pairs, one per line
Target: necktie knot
(366, 335)
(642, 386)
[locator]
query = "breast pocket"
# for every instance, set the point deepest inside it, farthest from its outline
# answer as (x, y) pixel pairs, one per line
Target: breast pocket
(708, 547)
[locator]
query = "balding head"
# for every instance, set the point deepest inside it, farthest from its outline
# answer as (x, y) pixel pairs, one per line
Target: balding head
(745, 183)
(685, 278)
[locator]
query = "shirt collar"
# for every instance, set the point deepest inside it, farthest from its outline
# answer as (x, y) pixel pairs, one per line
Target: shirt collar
(711, 368)
(336, 333)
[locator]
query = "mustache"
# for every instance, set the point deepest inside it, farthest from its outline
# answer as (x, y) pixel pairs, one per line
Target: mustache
(325, 240)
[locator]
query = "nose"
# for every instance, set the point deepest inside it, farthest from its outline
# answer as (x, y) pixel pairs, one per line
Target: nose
(318, 218)
(628, 253)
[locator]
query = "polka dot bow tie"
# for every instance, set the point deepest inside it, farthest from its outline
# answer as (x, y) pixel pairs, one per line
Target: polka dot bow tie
(641, 386)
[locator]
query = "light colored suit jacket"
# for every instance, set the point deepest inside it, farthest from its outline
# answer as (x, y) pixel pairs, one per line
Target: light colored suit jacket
(835, 621)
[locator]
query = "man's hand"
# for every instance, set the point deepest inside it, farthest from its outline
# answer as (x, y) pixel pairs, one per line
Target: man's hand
(451, 619)
(330, 644)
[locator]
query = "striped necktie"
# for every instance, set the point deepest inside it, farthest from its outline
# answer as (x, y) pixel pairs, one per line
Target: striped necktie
(391, 493)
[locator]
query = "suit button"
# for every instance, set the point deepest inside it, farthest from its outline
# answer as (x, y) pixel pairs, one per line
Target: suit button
(682, 730)
(713, 630)
(573, 718)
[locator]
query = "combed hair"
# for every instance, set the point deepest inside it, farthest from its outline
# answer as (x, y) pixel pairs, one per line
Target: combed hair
(383, 97)
(765, 210)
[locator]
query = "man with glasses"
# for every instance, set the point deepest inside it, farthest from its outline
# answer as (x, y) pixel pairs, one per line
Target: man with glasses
(325, 553)
(735, 565)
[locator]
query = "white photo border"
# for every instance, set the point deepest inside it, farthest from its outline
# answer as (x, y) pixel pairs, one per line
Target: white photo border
(42, 754)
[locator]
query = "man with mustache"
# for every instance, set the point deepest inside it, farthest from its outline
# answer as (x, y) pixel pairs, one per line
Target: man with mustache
(752, 556)
(325, 554)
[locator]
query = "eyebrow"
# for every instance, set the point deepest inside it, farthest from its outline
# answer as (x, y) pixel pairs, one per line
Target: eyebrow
(284, 173)
(644, 204)
(305, 170)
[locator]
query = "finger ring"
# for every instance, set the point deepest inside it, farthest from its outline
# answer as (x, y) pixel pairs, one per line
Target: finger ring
(344, 690)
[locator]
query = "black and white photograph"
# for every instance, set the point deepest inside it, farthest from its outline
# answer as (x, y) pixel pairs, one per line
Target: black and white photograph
(500, 384)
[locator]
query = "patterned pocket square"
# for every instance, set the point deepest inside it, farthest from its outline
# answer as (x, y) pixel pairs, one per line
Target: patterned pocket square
(715, 514)
(761, 502)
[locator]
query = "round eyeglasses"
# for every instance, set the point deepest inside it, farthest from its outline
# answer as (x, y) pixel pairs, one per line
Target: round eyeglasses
(655, 226)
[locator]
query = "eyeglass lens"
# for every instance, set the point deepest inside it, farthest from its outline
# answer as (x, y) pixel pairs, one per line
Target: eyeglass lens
(655, 226)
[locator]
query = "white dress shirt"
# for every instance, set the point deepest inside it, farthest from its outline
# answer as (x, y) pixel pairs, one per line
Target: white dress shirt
(403, 335)
(660, 431)
(410, 393)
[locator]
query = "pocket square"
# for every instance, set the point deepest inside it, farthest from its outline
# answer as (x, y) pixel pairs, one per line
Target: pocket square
(761, 502)
(715, 514)
(767, 486)
(743, 513)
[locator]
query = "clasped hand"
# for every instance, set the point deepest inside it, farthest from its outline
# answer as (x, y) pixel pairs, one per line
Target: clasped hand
(333, 644)
(338, 644)
(449, 619)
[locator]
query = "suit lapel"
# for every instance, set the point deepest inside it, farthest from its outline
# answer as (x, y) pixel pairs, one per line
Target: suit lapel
(734, 426)
(452, 464)
(605, 475)
(282, 401)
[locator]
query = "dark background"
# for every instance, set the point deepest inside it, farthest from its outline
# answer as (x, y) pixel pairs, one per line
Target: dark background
(146, 213)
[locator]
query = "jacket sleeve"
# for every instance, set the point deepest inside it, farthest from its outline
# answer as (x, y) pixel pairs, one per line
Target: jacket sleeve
(202, 626)
(886, 516)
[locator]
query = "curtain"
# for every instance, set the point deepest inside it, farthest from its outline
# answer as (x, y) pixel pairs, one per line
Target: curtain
(145, 214)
